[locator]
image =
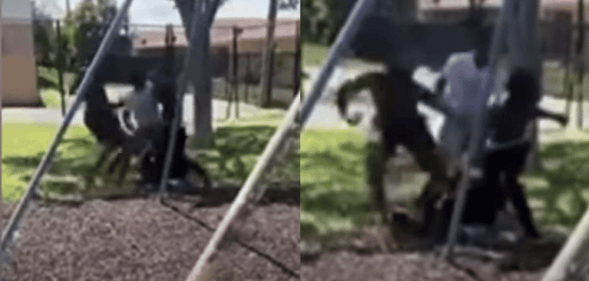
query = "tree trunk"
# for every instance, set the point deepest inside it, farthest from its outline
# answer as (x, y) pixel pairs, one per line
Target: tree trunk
(202, 93)
(197, 72)
(265, 93)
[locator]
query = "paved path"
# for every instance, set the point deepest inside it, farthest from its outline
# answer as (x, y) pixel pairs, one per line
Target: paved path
(53, 116)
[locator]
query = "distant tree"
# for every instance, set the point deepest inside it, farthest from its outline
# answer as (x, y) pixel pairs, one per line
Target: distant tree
(81, 34)
(322, 19)
(44, 37)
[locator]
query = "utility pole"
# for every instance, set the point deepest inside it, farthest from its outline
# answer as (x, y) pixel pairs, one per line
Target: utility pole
(265, 93)
(60, 67)
(297, 61)
(68, 7)
(580, 60)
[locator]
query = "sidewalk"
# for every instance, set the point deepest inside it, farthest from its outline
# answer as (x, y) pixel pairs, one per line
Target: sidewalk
(54, 117)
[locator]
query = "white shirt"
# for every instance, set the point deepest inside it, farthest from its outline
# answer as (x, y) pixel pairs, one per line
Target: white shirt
(144, 107)
(465, 87)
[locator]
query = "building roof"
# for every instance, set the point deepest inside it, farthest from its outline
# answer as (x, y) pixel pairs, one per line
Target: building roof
(453, 4)
(462, 4)
(222, 33)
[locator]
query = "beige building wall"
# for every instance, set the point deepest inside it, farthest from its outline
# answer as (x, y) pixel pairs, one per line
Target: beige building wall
(18, 81)
(257, 45)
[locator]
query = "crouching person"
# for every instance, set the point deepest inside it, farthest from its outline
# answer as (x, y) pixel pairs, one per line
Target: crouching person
(395, 96)
(151, 126)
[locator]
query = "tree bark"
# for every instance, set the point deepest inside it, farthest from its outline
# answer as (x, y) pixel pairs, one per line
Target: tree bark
(265, 93)
(197, 72)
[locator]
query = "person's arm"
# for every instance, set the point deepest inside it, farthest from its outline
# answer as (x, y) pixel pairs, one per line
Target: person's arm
(436, 100)
(560, 118)
(351, 88)
(438, 103)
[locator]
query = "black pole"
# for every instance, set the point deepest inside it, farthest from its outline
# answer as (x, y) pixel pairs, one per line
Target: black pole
(297, 61)
(228, 95)
(266, 94)
(569, 86)
(236, 31)
(60, 67)
(271, 73)
(581, 58)
(247, 74)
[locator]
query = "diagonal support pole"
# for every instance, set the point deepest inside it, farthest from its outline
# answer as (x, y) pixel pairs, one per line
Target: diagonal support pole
(572, 248)
(80, 97)
(284, 132)
(348, 32)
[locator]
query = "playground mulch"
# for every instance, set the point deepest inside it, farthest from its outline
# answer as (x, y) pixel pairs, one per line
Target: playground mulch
(151, 239)
(364, 259)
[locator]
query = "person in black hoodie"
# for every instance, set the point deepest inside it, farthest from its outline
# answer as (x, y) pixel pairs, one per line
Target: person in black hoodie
(395, 96)
(503, 164)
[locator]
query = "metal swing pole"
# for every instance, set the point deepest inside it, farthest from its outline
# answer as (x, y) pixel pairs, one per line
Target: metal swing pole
(80, 96)
(477, 139)
(179, 103)
(349, 30)
(197, 19)
(572, 248)
(273, 146)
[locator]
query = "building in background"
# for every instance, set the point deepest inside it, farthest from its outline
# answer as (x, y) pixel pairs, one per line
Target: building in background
(19, 83)
(149, 41)
(458, 9)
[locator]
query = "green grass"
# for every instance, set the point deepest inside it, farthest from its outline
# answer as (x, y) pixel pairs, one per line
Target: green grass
(51, 98)
(238, 146)
(23, 146)
(313, 54)
(50, 76)
(334, 197)
(559, 196)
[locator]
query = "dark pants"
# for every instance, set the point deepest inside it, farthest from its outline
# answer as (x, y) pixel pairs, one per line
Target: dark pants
(153, 162)
(503, 168)
(413, 134)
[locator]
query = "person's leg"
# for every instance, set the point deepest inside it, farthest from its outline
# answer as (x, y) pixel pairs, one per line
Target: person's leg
(517, 197)
(105, 149)
(517, 160)
(375, 169)
(430, 158)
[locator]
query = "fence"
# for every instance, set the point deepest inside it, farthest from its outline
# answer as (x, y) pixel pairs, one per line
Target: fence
(239, 45)
(144, 45)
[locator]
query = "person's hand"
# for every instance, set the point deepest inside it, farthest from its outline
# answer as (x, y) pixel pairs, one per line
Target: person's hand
(354, 119)
(563, 120)
(440, 85)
